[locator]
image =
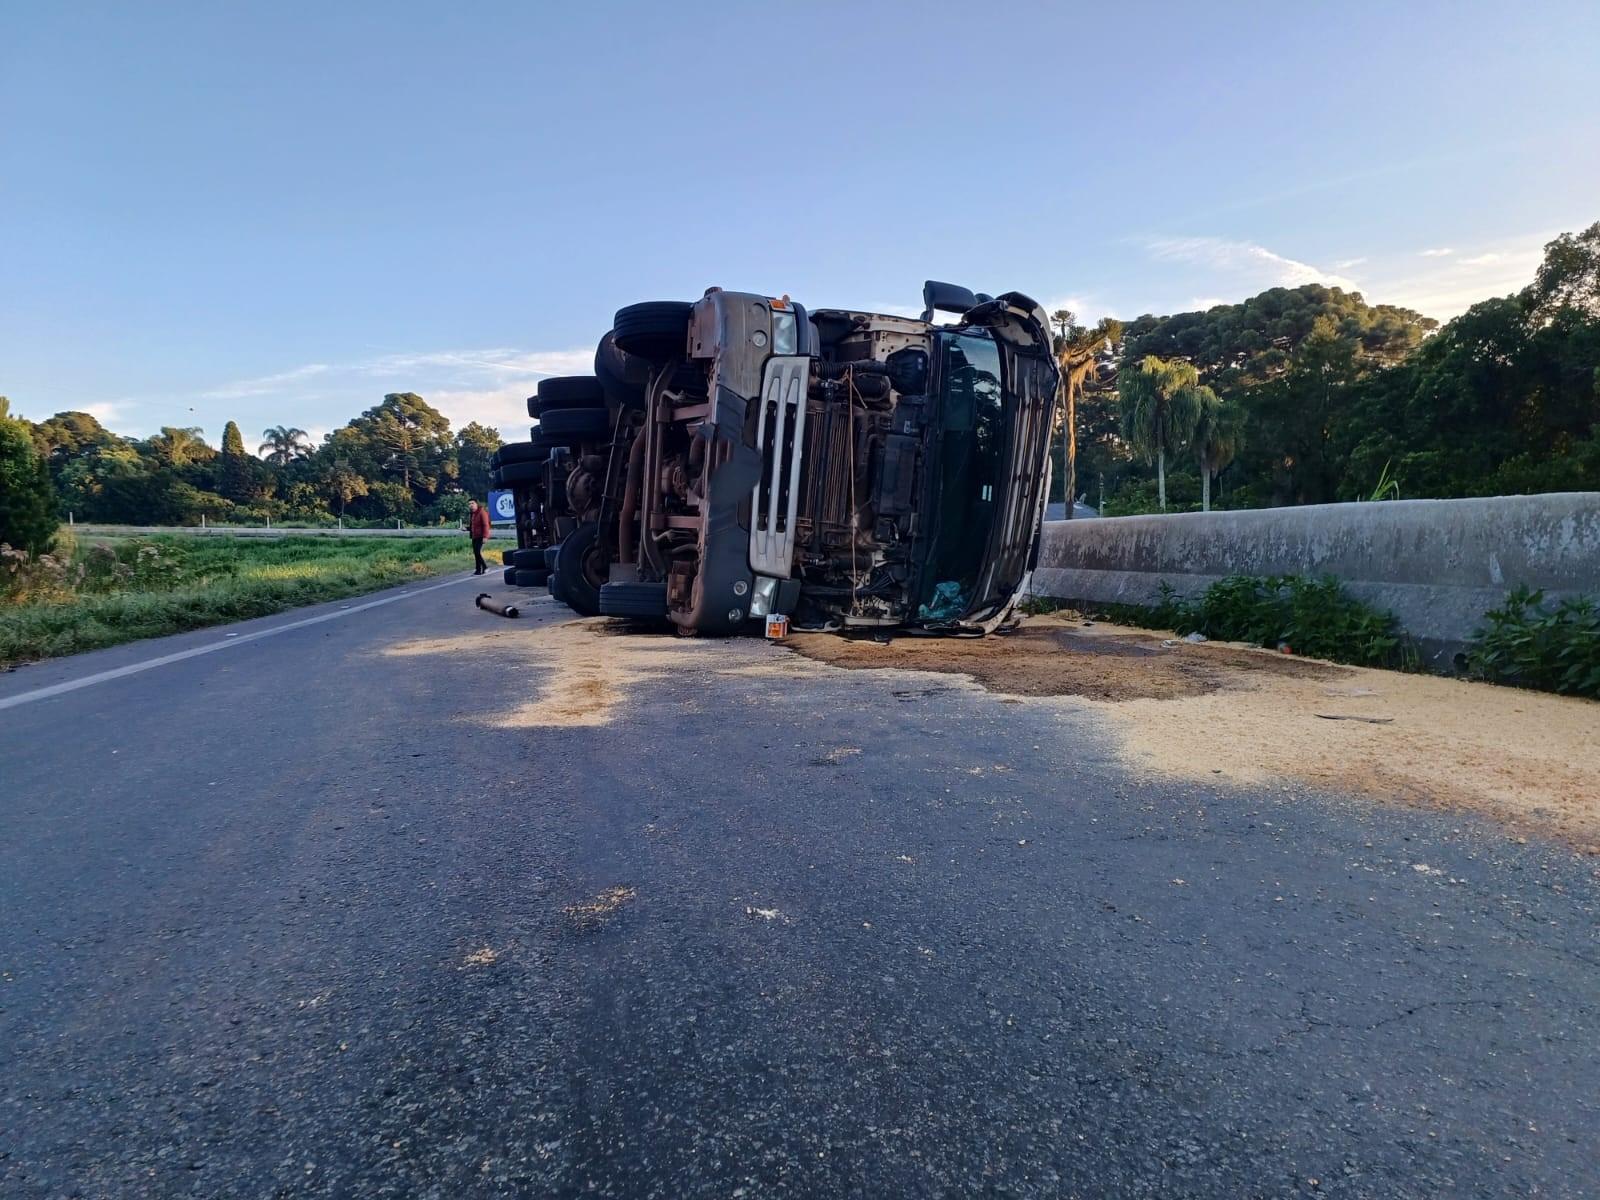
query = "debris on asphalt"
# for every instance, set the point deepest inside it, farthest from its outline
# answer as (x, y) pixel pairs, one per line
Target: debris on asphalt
(1225, 711)
(590, 914)
(499, 607)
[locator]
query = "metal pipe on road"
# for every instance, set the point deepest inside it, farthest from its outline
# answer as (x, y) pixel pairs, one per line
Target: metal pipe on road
(489, 604)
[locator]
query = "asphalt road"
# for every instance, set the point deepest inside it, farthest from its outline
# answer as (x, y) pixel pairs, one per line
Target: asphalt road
(288, 919)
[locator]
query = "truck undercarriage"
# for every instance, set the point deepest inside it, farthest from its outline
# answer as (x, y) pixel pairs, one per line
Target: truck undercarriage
(741, 457)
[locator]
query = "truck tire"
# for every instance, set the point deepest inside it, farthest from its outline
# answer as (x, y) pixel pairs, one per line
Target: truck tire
(576, 424)
(550, 553)
(519, 472)
(529, 578)
(506, 557)
(567, 391)
(510, 576)
(656, 330)
(513, 452)
(641, 600)
(581, 569)
(527, 559)
(624, 376)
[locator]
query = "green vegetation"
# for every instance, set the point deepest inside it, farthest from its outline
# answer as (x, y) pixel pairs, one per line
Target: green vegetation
(27, 502)
(1314, 617)
(398, 461)
(1528, 644)
(1321, 397)
(89, 595)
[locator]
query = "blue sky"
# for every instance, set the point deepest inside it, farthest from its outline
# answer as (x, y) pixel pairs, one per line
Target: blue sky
(277, 212)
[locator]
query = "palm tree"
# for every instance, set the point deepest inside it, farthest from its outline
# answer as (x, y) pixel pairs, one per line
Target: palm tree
(176, 446)
(1078, 352)
(1217, 439)
(1158, 408)
(284, 444)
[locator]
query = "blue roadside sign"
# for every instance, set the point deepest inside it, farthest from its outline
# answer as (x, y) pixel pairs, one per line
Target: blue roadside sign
(502, 508)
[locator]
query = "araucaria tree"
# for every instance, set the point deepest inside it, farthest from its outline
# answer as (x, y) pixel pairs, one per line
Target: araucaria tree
(1078, 351)
(1158, 408)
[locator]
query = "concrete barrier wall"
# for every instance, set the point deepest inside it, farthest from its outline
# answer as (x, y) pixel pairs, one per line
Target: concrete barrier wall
(1437, 565)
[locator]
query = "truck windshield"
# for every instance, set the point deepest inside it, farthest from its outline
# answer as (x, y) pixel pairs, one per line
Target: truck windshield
(973, 416)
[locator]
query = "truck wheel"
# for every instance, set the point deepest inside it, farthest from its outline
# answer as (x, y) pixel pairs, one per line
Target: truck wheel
(527, 578)
(513, 452)
(567, 391)
(656, 330)
(645, 600)
(624, 376)
(520, 472)
(528, 560)
(582, 567)
(576, 424)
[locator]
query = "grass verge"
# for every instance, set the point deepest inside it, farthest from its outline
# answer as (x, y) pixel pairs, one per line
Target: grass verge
(102, 593)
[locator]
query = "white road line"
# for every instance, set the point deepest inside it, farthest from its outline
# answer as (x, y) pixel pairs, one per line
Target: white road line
(233, 639)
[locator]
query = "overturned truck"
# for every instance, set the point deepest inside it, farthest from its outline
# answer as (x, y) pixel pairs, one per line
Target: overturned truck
(740, 456)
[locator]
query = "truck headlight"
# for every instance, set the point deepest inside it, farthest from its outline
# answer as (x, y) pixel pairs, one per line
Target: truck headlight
(784, 333)
(762, 595)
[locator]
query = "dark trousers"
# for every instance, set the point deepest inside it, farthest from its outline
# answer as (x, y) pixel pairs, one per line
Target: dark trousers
(477, 553)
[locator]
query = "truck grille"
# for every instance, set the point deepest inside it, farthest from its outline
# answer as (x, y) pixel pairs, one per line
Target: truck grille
(780, 433)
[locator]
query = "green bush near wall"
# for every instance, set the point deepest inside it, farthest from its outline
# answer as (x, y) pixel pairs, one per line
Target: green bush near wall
(1527, 643)
(1314, 617)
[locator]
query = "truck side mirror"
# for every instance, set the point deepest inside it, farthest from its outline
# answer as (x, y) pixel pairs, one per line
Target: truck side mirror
(945, 297)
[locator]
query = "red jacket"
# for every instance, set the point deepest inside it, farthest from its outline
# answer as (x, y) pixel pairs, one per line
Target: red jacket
(478, 523)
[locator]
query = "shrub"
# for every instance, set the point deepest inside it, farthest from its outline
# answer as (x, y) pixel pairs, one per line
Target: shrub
(1528, 644)
(1312, 616)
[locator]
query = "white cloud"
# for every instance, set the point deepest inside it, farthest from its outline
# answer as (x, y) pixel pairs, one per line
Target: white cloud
(267, 385)
(1251, 265)
(490, 386)
(1441, 282)
(106, 411)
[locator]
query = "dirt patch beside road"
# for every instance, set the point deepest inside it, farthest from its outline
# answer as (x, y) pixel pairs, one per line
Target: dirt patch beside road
(1214, 711)
(1052, 657)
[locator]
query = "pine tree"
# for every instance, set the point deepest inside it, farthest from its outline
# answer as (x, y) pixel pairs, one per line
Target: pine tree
(235, 479)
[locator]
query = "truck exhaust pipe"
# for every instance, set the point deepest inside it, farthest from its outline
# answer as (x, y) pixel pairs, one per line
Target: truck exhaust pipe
(489, 604)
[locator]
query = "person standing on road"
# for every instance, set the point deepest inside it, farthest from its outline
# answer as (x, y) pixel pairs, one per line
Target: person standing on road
(478, 530)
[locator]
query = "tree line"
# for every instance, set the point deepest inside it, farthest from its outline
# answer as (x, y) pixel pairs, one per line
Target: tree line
(1295, 396)
(1310, 395)
(398, 460)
